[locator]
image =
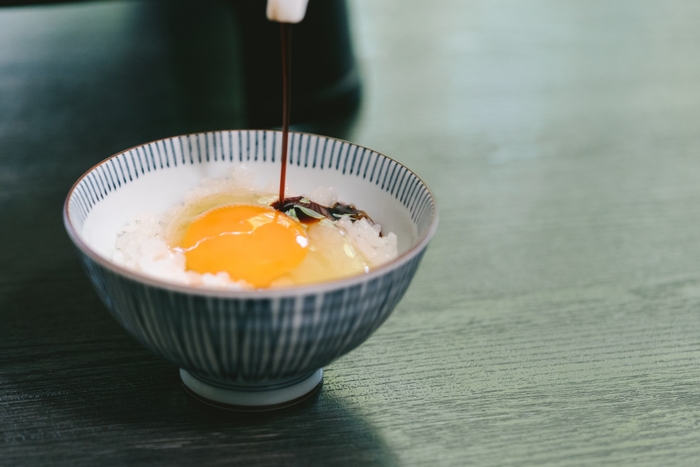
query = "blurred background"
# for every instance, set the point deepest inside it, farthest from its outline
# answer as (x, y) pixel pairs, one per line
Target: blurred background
(206, 65)
(507, 100)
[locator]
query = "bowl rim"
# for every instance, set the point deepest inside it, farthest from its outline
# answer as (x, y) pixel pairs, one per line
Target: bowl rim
(283, 291)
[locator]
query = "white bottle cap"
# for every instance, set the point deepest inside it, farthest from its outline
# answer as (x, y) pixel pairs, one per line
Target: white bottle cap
(286, 11)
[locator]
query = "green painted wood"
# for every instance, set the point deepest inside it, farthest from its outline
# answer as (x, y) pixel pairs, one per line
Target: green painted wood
(555, 320)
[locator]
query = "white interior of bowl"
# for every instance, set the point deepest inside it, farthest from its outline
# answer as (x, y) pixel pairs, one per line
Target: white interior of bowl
(158, 190)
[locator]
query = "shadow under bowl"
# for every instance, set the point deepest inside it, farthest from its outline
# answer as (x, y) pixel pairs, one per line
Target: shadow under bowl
(254, 349)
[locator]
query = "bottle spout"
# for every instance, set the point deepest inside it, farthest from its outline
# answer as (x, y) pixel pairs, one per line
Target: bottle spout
(286, 11)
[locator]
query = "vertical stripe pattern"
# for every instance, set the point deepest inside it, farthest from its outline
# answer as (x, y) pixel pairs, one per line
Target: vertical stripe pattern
(247, 339)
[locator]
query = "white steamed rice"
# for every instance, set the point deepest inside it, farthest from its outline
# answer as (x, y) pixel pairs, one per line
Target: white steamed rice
(141, 246)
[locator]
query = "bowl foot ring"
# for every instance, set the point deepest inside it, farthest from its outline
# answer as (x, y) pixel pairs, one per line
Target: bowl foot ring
(251, 398)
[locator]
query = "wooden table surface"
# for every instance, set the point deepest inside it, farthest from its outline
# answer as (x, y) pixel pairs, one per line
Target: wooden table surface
(555, 320)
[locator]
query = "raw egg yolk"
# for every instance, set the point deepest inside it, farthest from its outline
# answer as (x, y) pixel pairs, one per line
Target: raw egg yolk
(256, 244)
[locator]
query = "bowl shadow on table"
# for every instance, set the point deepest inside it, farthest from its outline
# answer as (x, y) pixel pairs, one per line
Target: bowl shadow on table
(78, 368)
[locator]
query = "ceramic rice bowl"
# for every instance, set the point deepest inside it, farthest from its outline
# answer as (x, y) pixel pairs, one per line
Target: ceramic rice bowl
(258, 348)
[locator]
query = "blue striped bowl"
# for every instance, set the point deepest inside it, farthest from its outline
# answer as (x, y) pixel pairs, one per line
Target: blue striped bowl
(258, 348)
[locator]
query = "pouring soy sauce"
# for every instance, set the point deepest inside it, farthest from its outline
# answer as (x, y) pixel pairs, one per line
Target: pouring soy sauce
(286, 36)
(285, 12)
(288, 12)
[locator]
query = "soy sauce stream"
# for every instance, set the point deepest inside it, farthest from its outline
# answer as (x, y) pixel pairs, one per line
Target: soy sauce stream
(302, 207)
(286, 36)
